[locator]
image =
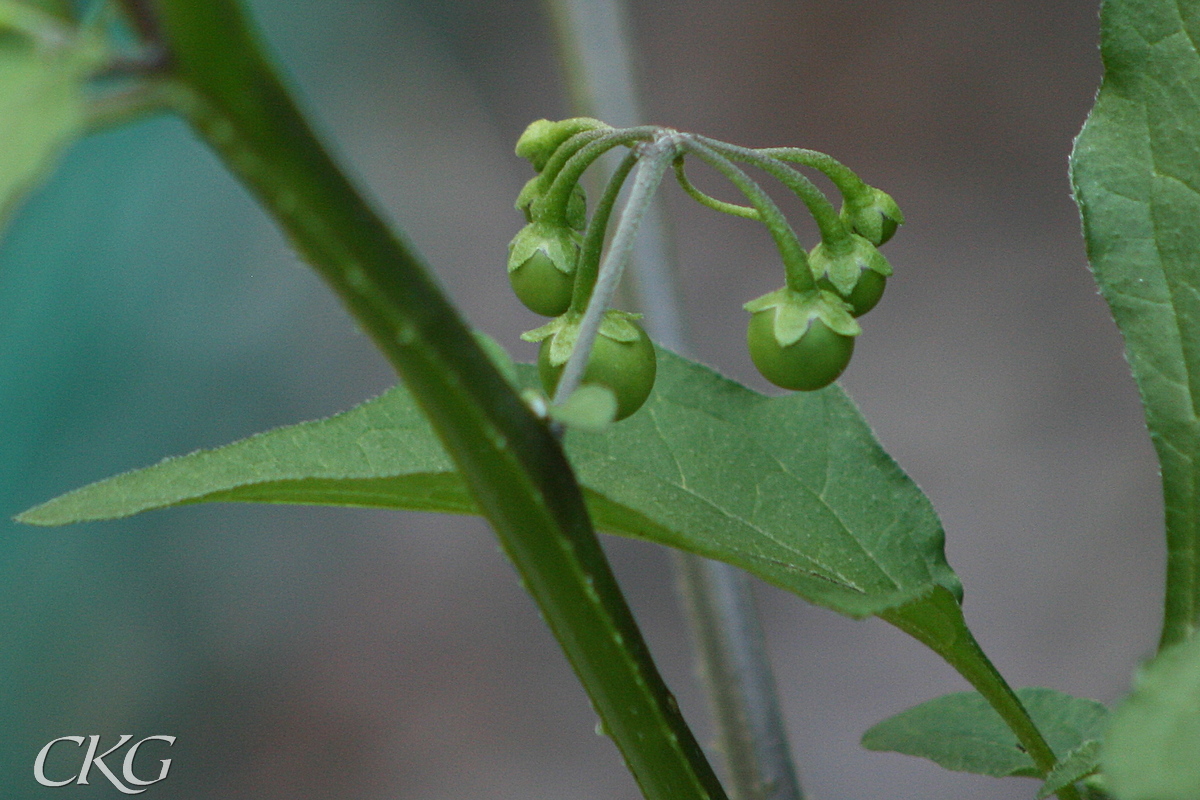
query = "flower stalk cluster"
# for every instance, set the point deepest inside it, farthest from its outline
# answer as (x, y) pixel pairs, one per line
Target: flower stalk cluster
(800, 337)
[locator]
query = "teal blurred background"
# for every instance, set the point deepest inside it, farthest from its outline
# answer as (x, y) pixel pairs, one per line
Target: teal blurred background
(147, 308)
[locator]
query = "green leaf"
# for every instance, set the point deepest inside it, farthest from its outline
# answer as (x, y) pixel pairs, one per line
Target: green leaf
(1152, 750)
(590, 407)
(44, 66)
(1075, 765)
(794, 489)
(1137, 182)
(962, 732)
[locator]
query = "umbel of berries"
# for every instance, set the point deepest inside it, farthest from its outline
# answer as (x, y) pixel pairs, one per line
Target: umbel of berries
(800, 340)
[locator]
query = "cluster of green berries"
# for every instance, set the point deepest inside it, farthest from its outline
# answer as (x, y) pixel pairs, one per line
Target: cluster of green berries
(800, 336)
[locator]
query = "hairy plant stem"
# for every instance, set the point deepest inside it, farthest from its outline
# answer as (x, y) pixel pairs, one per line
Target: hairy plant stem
(563, 153)
(716, 596)
(847, 182)
(795, 261)
(733, 209)
(552, 205)
(833, 232)
(588, 269)
(654, 160)
(511, 462)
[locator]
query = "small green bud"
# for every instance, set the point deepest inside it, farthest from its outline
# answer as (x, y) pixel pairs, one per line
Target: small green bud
(577, 208)
(529, 194)
(542, 137)
(873, 215)
(857, 273)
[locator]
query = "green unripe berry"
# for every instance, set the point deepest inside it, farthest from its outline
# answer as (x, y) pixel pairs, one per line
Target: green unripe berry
(627, 369)
(813, 361)
(542, 287)
(866, 292)
(542, 258)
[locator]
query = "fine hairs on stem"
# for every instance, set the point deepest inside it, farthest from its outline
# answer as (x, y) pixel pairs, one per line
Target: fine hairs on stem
(656, 158)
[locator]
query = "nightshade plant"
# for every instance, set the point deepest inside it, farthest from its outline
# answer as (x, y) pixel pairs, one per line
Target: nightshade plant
(793, 488)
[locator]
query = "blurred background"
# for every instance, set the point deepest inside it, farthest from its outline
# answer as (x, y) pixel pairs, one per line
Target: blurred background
(148, 308)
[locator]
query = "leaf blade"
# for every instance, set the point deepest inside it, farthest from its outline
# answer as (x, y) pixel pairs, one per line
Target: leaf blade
(962, 732)
(795, 488)
(1137, 184)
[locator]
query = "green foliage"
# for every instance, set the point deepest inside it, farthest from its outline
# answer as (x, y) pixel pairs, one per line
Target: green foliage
(1152, 751)
(795, 489)
(1137, 182)
(963, 732)
(1081, 762)
(44, 68)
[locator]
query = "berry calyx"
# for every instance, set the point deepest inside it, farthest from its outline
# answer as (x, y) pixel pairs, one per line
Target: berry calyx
(854, 270)
(872, 214)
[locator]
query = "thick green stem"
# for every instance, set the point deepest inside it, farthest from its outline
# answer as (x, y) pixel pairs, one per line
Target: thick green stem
(937, 622)
(795, 261)
(509, 459)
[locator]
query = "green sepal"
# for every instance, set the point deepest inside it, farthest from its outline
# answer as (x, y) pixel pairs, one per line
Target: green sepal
(795, 312)
(528, 195)
(560, 244)
(542, 137)
(619, 326)
(872, 214)
(616, 325)
(843, 265)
